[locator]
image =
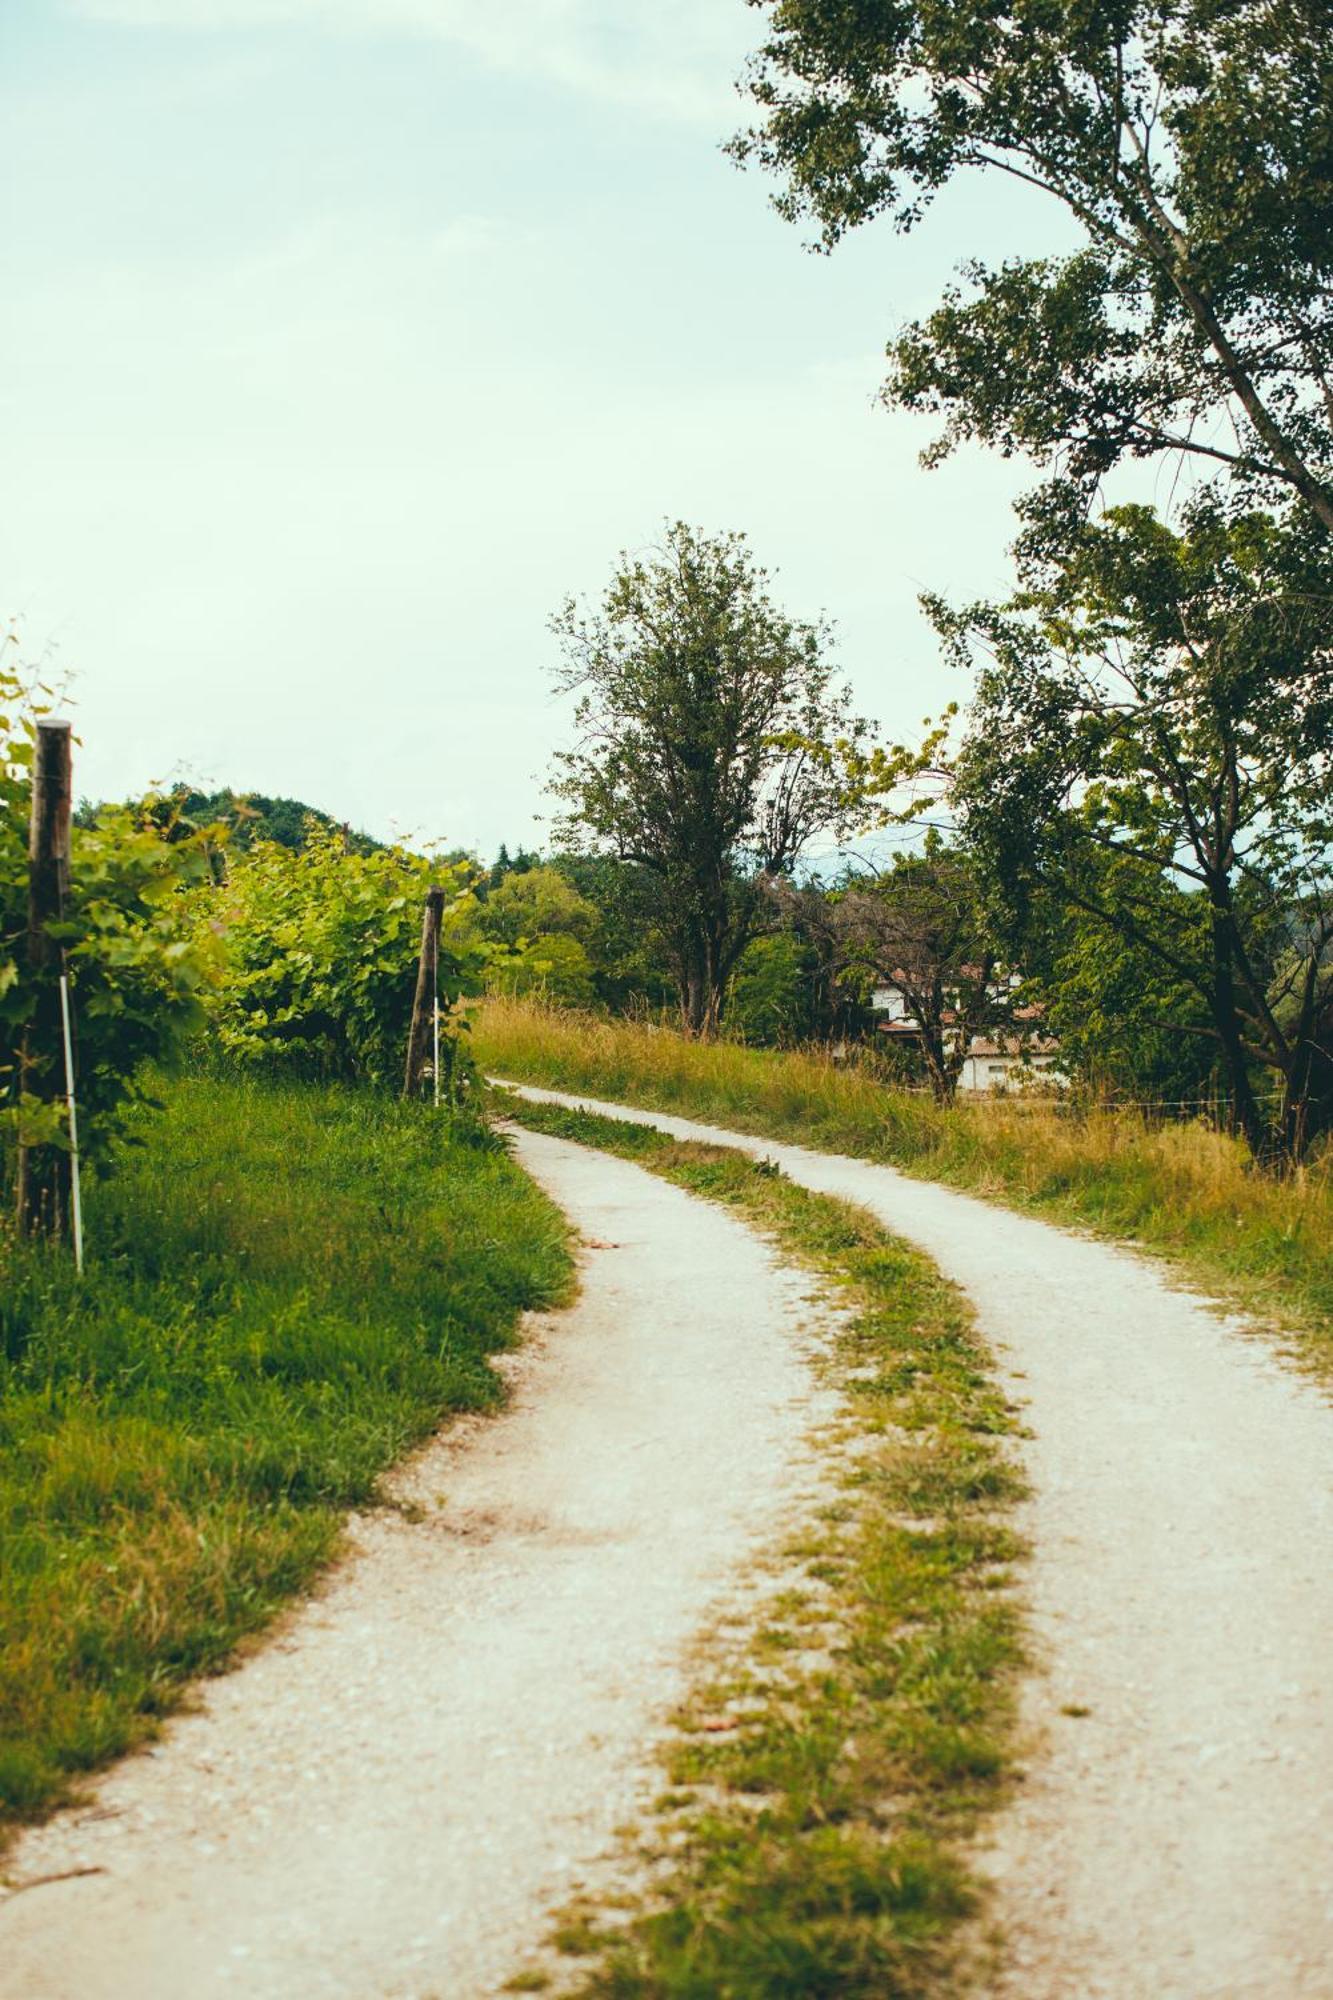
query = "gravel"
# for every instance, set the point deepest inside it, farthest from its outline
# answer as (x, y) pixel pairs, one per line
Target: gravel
(389, 1798)
(1174, 1842)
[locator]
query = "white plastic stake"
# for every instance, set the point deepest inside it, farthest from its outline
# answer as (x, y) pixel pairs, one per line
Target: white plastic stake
(75, 1195)
(436, 1064)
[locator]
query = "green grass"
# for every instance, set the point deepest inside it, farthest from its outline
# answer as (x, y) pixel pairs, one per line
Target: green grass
(287, 1287)
(1183, 1191)
(815, 1845)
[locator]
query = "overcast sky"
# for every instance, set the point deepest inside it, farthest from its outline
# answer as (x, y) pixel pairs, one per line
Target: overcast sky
(342, 338)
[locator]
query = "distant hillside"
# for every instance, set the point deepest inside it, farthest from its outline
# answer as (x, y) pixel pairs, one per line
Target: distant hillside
(252, 816)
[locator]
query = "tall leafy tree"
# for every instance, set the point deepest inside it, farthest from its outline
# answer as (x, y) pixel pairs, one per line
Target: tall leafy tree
(708, 753)
(1152, 741)
(1190, 142)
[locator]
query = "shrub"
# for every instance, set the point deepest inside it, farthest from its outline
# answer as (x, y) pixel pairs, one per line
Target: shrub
(321, 953)
(138, 965)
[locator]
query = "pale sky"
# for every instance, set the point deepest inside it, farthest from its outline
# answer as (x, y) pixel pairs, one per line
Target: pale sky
(342, 338)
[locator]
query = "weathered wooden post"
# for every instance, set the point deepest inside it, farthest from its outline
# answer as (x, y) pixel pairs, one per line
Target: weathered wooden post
(422, 1032)
(44, 1176)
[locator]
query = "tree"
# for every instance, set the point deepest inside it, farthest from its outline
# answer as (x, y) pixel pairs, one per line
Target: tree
(506, 864)
(920, 929)
(545, 928)
(774, 992)
(533, 901)
(551, 966)
(709, 731)
(1191, 144)
(631, 967)
(1152, 742)
(1127, 1024)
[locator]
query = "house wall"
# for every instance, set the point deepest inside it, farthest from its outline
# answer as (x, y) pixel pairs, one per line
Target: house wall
(983, 1073)
(889, 1002)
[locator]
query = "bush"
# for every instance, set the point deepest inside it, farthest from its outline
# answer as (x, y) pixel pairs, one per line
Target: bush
(139, 967)
(321, 953)
(552, 967)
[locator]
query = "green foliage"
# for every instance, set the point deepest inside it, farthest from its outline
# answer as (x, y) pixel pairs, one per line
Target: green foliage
(322, 948)
(141, 975)
(286, 1289)
(1164, 703)
(139, 970)
(506, 864)
(773, 992)
(710, 734)
(248, 817)
(551, 966)
(1190, 145)
(1128, 1026)
(577, 929)
(535, 901)
(631, 962)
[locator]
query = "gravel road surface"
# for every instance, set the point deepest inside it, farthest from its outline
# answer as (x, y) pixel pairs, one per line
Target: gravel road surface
(1174, 1842)
(388, 1798)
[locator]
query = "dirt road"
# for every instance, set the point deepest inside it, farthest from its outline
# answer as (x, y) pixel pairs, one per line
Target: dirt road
(388, 1798)
(1174, 1839)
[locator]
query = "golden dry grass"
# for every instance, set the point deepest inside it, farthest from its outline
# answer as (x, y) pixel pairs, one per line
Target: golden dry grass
(1182, 1190)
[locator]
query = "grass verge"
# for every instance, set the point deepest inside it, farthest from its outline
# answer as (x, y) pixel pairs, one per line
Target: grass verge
(825, 1777)
(287, 1287)
(1183, 1191)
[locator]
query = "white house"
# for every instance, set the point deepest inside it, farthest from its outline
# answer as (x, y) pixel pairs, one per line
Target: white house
(996, 1059)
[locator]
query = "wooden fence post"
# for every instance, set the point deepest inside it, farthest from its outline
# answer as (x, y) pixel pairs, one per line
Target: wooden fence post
(44, 1170)
(422, 1032)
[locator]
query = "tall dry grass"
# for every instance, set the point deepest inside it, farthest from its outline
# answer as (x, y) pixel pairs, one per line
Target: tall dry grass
(1181, 1189)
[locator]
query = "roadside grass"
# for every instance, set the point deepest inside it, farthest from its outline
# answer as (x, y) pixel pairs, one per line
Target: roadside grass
(825, 1776)
(1183, 1191)
(287, 1286)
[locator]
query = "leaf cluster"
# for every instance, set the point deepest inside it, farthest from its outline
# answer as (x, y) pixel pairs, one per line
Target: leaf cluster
(321, 953)
(1190, 145)
(712, 740)
(1152, 741)
(139, 970)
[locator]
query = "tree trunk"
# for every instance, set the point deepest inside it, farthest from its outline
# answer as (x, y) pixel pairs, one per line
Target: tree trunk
(1245, 1116)
(691, 987)
(943, 1074)
(1307, 1098)
(700, 988)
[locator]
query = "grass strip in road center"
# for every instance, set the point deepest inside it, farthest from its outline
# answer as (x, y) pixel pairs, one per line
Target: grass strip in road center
(825, 1782)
